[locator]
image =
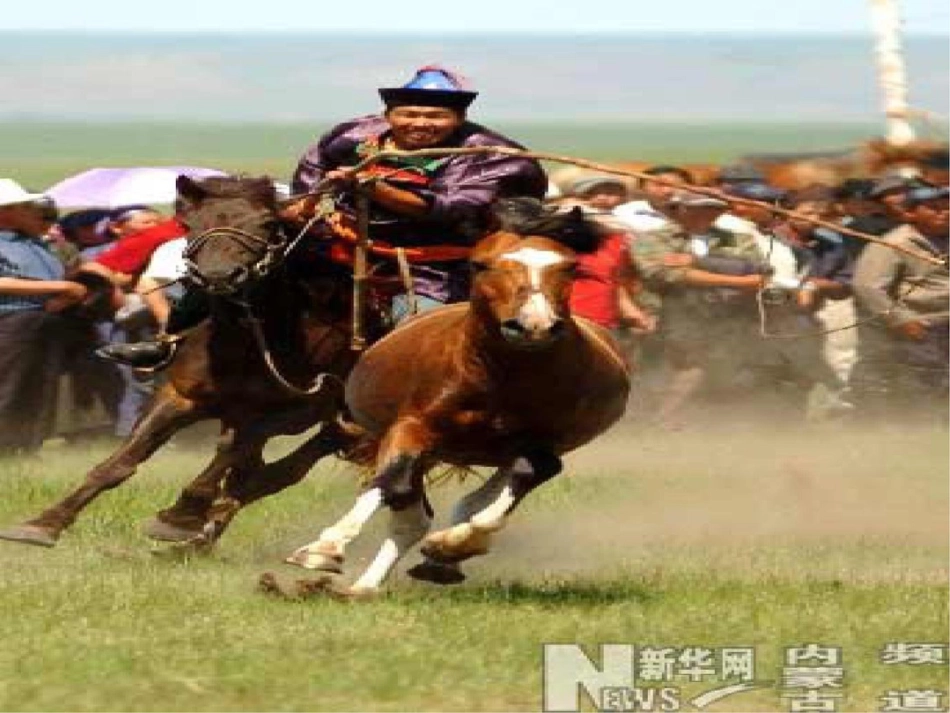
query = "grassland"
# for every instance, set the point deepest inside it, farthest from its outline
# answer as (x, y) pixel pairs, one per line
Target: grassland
(728, 535)
(38, 154)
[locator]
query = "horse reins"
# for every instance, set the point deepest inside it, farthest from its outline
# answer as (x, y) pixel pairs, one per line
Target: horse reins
(261, 340)
(271, 252)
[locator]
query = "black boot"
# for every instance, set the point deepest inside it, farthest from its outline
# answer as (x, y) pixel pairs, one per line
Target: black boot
(142, 355)
(188, 312)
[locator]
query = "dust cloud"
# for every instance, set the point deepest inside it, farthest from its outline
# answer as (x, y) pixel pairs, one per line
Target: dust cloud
(749, 497)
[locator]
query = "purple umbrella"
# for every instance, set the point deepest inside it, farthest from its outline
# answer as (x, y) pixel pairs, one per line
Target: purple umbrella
(113, 187)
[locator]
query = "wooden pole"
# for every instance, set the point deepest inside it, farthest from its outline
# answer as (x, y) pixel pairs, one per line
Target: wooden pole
(614, 170)
(892, 75)
(358, 338)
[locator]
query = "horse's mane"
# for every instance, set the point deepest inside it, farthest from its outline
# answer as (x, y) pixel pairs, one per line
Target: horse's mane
(529, 216)
(259, 189)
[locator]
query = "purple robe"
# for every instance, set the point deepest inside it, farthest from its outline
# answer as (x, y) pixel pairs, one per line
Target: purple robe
(459, 193)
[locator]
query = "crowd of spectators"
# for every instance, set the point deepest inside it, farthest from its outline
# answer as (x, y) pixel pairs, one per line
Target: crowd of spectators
(732, 300)
(709, 296)
(69, 285)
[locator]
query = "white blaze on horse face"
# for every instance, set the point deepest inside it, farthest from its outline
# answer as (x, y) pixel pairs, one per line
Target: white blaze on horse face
(536, 314)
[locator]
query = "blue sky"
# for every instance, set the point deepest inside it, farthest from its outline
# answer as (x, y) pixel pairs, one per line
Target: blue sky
(751, 16)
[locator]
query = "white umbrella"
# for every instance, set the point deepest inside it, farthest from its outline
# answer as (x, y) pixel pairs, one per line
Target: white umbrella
(114, 187)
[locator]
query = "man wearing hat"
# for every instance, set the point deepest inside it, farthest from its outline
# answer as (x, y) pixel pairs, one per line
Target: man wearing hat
(889, 192)
(423, 202)
(436, 206)
(903, 345)
(32, 289)
(700, 281)
(649, 211)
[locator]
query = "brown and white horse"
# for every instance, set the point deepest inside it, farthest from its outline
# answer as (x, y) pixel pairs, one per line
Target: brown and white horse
(509, 380)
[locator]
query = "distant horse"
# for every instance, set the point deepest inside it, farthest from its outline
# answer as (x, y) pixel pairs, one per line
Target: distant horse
(236, 257)
(869, 159)
(795, 170)
(509, 380)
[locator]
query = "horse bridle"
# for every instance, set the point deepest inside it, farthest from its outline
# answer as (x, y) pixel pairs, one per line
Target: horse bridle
(274, 252)
(273, 249)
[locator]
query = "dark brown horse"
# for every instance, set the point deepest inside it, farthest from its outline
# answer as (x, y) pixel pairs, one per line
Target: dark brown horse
(236, 257)
(509, 380)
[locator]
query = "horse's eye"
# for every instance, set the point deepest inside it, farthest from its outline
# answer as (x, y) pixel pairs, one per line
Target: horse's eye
(478, 267)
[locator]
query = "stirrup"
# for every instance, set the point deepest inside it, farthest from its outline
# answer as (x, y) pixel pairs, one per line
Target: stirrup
(172, 341)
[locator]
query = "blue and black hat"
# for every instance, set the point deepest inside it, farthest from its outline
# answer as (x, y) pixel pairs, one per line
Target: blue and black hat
(432, 86)
(924, 194)
(894, 182)
(754, 190)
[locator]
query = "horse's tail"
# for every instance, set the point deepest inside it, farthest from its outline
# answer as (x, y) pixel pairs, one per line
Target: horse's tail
(359, 448)
(362, 448)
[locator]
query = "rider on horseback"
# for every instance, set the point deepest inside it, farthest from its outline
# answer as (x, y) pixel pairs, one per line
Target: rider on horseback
(437, 207)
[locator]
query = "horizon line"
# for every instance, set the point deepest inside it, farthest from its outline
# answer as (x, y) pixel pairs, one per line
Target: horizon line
(600, 32)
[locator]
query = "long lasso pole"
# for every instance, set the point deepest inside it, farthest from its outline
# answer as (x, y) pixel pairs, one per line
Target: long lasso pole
(604, 168)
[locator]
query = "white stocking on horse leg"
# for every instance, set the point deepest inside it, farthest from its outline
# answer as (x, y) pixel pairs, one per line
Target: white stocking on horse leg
(406, 528)
(326, 553)
(439, 571)
(472, 536)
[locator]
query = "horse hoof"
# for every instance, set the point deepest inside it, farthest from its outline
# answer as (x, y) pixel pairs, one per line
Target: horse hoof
(184, 550)
(332, 564)
(162, 531)
(436, 573)
(437, 554)
(30, 535)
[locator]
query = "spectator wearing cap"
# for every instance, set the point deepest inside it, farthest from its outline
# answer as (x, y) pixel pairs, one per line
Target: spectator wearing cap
(598, 196)
(856, 209)
(757, 223)
(903, 348)
(825, 267)
(649, 212)
(889, 192)
(32, 291)
(602, 193)
(701, 282)
(798, 284)
(822, 260)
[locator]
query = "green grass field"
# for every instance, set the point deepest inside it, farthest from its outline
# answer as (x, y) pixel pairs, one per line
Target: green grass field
(38, 154)
(725, 536)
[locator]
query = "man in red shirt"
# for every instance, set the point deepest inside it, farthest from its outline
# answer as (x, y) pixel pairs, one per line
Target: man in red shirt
(604, 285)
(141, 231)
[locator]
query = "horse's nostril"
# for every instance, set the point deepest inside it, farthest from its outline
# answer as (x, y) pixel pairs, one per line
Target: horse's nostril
(513, 326)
